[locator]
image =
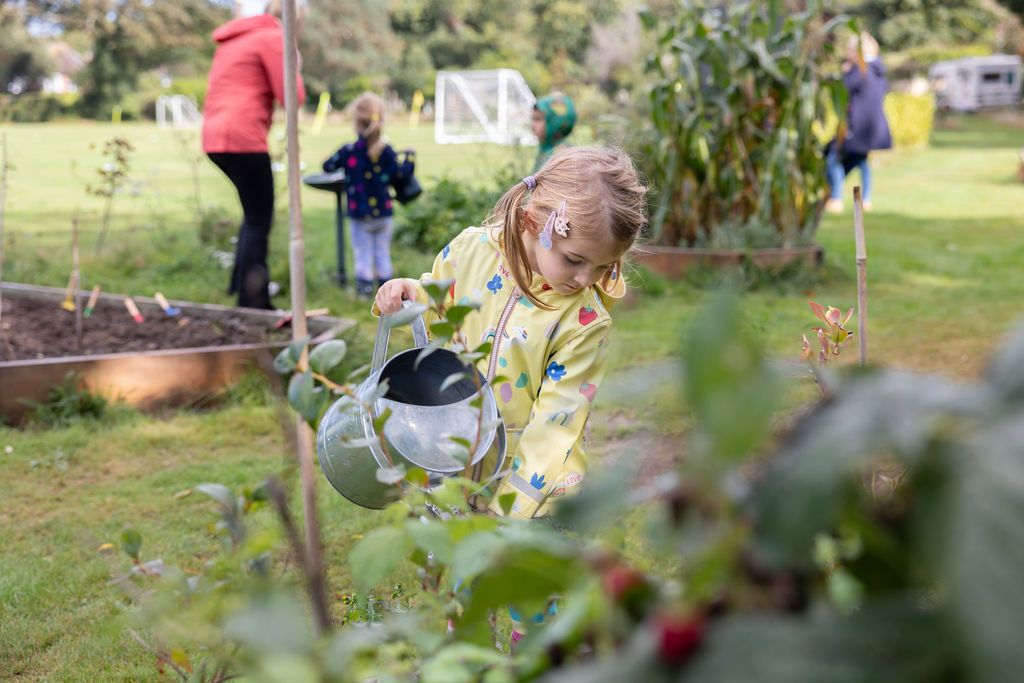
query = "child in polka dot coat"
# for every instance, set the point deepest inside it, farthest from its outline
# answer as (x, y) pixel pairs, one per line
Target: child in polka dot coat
(370, 167)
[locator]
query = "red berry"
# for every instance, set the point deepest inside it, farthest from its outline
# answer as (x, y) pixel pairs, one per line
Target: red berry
(678, 636)
(619, 581)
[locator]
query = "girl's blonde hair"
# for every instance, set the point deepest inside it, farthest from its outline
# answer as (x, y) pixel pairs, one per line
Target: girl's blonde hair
(604, 200)
(368, 118)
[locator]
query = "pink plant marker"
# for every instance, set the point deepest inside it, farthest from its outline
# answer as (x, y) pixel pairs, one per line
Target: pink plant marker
(133, 309)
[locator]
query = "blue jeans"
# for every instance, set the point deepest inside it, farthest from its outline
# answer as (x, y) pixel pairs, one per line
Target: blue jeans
(839, 165)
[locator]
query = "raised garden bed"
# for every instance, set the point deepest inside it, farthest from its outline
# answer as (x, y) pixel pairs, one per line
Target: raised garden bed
(674, 262)
(162, 361)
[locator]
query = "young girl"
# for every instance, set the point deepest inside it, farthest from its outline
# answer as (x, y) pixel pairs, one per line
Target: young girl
(544, 267)
(370, 165)
(553, 119)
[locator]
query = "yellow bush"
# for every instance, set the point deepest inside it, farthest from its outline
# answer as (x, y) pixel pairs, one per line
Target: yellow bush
(910, 118)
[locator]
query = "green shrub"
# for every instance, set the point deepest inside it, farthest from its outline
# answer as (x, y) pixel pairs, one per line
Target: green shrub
(910, 118)
(36, 107)
(67, 402)
(450, 206)
(193, 87)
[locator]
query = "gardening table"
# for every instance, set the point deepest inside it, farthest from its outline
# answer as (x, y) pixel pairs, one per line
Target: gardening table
(334, 182)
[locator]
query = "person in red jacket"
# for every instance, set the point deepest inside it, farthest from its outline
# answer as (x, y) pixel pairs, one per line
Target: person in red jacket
(246, 77)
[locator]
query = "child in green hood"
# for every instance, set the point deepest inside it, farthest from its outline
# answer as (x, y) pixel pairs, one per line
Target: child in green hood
(553, 119)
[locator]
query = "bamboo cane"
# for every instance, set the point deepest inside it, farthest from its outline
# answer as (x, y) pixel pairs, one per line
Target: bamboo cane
(3, 201)
(78, 282)
(862, 275)
(296, 255)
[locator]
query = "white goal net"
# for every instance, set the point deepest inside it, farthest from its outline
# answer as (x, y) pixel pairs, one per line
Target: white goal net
(482, 106)
(177, 111)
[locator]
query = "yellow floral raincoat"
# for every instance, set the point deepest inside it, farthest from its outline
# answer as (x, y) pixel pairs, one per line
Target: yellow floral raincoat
(550, 363)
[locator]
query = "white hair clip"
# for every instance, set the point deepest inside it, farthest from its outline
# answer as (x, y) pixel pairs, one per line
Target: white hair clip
(556, 222)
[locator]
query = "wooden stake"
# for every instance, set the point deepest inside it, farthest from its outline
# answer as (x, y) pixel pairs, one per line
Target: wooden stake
(3, 201)
(78, 281)
(297, 261)
(862, 274)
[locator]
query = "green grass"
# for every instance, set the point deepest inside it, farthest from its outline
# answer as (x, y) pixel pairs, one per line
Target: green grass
(945, 281)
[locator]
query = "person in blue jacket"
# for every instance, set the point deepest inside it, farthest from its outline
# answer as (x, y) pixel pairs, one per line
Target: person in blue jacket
(866, 126)
(371, 166)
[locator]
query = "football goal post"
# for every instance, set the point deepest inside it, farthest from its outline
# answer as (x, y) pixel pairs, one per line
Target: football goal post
(482, 106)
(177, 111)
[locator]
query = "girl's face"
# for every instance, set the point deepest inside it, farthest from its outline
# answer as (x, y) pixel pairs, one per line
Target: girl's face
(537, 124)
(572, 263)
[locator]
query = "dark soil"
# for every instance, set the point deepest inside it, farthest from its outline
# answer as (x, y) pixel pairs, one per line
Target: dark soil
(30, 330)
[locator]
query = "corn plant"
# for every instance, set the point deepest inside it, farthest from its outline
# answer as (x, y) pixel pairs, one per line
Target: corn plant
(736, 91)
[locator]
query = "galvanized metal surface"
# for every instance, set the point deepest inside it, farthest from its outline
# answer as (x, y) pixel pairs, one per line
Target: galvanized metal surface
(146, 379)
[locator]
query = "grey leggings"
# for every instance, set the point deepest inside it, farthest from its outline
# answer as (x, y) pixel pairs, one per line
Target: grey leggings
(371, 247)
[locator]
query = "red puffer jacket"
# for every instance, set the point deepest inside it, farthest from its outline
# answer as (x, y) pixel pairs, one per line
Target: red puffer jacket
(246, 76)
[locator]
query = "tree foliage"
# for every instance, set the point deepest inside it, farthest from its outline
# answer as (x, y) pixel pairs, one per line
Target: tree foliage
(127, 37)
(21, 56)
(348, 46)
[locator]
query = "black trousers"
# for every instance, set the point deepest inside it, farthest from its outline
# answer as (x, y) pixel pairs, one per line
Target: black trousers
(252, 176)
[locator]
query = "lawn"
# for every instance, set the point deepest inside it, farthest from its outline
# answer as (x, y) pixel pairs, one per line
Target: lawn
(945, 283)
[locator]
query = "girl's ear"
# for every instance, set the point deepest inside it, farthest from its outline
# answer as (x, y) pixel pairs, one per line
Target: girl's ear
(528, 222)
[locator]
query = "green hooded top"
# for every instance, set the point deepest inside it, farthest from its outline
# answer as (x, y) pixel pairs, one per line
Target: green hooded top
(559, 119)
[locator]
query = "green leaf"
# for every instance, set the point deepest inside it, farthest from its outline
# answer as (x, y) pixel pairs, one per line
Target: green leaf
(305, 396)
(273, 624)
(296, 348)
(222, 494)
(461, 663)
(891, 642)
(1006, 370)
(451, 379)
(405, 316)
(131, 543)
(456, 314)
(390, 475)
(326, 356)
(984, 559)
(891, 412)
(526, 577)
(475, 554)
(442, 329)
(376, 556)
(438, 289)
(505, 501)
(434, 345)
(283, 362)
(381, 420)
(433, 537)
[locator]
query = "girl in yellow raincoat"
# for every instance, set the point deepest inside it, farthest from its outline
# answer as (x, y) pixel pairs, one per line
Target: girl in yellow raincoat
(545, 267)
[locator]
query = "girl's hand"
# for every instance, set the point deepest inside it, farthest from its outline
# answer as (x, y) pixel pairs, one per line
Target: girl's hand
(391, 293)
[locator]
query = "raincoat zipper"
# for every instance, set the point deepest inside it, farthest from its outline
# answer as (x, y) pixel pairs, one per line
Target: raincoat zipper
(499, 331)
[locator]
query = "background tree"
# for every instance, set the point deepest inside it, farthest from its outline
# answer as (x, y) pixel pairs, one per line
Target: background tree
(21, 55)
(348, 46)
(128, 37)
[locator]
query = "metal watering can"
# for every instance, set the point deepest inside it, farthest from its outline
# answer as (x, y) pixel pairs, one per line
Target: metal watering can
(425, 415)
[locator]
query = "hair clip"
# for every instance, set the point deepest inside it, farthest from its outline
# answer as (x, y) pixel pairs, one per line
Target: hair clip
(561, 224)
(556, 222)
(530, 182)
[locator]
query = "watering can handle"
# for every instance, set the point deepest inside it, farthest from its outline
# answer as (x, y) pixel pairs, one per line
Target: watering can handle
(380, 346)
